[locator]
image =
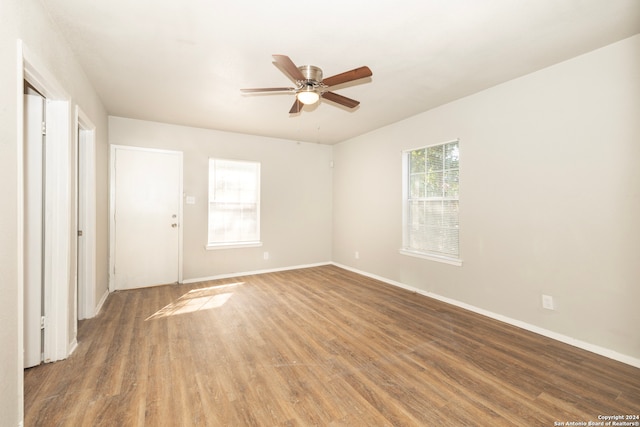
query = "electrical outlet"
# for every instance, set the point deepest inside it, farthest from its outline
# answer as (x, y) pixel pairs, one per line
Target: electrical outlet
(357, 255)
(547, 302)
(265, 256)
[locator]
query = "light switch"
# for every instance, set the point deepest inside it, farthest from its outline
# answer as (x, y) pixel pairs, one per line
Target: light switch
(191, 200)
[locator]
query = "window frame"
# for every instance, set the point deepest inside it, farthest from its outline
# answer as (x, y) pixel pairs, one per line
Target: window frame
(231, 244)
(406, 180)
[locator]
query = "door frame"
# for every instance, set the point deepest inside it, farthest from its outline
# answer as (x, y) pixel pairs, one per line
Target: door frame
(58, 342)
(112, 213)
(85, 160)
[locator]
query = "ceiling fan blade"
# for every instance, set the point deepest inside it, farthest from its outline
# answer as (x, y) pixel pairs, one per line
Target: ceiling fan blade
(347, 76)
(342, 100)
(296, 107)
(268, 89)
(288, 67)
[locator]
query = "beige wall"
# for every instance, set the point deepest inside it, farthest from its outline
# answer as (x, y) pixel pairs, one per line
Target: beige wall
(296, 184)
(550, 199)
(25, 19)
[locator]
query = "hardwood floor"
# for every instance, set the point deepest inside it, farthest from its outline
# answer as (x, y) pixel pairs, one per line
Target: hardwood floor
(318, 346)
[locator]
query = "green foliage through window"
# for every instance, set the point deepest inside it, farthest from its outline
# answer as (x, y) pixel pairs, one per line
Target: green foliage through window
(432, 205)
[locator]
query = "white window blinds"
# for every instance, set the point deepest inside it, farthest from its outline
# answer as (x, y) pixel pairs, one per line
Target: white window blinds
(431, 200)
(234, 202)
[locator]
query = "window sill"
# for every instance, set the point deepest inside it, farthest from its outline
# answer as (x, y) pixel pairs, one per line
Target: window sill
(232, 245)
(432, 257)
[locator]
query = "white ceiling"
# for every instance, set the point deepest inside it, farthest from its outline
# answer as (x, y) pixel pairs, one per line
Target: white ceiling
(184, 61)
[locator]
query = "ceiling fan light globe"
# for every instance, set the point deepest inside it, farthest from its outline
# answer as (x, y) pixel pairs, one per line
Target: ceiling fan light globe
(308, 97)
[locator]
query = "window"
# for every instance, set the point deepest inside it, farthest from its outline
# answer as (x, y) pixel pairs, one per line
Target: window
(234, 203)
(430, 189)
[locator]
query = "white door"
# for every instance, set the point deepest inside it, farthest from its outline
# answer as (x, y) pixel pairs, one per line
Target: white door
(147, 209)
(33, 228)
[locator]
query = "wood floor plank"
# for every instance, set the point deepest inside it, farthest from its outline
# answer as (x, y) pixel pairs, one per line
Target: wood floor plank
(317, 346)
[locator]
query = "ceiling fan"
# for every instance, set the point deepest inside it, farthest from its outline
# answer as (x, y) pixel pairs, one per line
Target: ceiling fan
(310, 86)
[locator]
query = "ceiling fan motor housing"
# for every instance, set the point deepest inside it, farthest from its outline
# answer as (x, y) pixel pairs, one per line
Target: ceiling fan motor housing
(311, 72)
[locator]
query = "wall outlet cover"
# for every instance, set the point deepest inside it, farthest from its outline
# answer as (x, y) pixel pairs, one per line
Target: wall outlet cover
(547, 302)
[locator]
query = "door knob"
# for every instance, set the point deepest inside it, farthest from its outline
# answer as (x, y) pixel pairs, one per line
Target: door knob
(174, 225)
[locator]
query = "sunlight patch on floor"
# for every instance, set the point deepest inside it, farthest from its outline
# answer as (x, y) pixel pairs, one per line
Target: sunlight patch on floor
(196, 300)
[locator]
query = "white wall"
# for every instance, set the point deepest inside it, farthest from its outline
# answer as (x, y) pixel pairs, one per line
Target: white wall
(296, 185)
(25, 20)
(550, 199)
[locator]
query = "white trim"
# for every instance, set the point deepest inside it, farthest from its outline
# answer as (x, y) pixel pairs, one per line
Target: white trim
(86, 135)
(431, 257)
(39, 77)
(20, 224)
(58, 206)
(29, 68)
(408, 150)
(250, 273)
(112, 202)
(602, 351)
(180, 216)
(73, 346)
(233, 245)
(101, 302)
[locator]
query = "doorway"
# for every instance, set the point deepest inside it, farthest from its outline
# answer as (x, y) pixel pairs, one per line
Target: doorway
(57, 339)
(86, 216)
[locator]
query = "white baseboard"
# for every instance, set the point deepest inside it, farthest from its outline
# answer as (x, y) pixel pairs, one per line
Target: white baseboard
(73, 346)
(248, 273)
(101, 303)
(602, 351)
